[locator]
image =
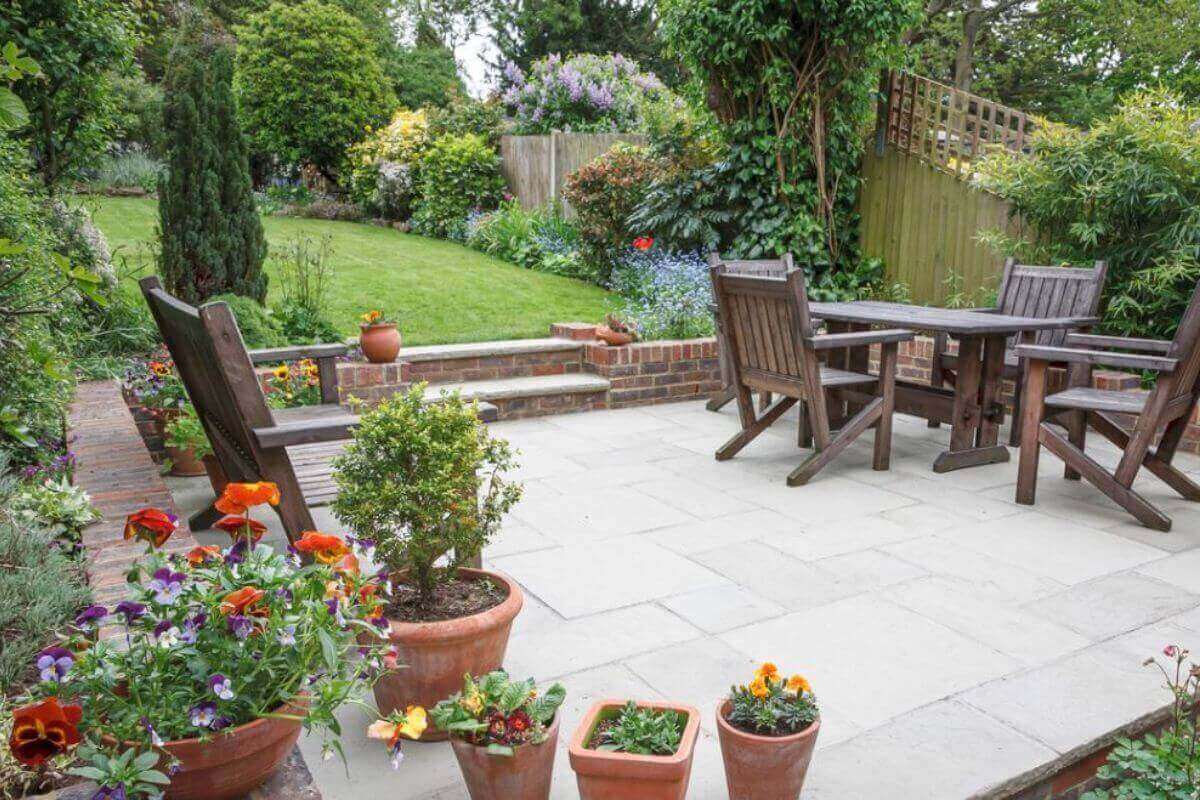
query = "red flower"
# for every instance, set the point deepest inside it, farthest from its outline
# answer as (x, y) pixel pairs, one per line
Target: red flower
(325, 547)
(203, 553)
(519, 721)
(238, 498)
(245, 601)
(236, 527)
(643, 243)
(43, 730)
(151, 525)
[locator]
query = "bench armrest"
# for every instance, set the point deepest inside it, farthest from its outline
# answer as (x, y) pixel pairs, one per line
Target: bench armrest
(1075, 356)
(288, 434)
(834, 341)
(1117, 343)
(313, 351)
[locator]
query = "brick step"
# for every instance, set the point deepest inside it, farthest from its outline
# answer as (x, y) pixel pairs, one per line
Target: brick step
(533, 395)
(475, 361)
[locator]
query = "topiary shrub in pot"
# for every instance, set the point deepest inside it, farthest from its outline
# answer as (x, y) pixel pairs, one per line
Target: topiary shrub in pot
(426, 484)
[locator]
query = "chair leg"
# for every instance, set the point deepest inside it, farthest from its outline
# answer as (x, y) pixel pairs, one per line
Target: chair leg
(720, 398)
(292, 509)
(804, 436)
(1032, 406)
(1014, 434)
(886, 390)
(825, 453)
(1157, 462)
(203, 520)
(764, 401)
(749, 432)
(1076, 422)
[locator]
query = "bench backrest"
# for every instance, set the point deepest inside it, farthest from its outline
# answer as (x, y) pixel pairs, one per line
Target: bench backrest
(213, 364)
(1030, 291)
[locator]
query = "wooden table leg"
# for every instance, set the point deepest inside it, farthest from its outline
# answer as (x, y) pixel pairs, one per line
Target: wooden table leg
(991, 406)
(968, 422)
(836, 359)
(858, 359)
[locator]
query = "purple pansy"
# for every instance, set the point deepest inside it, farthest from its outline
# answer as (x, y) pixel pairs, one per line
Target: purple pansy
(91, 617)
(166, 585)
(54, 663)
(107, 792)
(287, 636)
(191, 628)
(236, 554)
(240, 626)
(222, 687)
(203, 714)
(130, 610)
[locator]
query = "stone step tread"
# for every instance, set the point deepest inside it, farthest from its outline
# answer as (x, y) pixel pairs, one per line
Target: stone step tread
(506, 347)
(533, 386)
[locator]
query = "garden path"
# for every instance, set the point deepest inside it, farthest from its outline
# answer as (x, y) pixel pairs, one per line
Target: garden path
(955, 640)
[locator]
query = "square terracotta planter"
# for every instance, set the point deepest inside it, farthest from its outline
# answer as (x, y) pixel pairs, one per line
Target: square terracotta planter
(602, 774)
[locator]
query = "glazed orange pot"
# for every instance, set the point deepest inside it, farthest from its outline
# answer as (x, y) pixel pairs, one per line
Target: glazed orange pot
(435, 655)
(233, 762)
(184, 462)
(526, 774)
(380, 343)
(764, 767)
(602, 774)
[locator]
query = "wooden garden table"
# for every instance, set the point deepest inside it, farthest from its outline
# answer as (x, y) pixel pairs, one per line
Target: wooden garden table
(974, 407)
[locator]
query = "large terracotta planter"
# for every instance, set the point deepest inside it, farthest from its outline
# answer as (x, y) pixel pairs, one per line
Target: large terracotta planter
(231, 764)
(184, 463)
(525, 775)
(435, 655)
(601, 774)
(380, 343)
(764, 767)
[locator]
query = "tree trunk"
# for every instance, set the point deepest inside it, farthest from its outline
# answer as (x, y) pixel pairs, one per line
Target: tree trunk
(964, 57)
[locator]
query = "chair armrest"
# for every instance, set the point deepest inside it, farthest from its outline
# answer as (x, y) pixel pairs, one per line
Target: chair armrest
(327, 429)
(1118, 343)
(834, 341)
(313, 351)
(1074, 356)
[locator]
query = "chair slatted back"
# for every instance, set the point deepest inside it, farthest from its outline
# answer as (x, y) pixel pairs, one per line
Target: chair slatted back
(213, 364)
(1185, 347)
(1029, 291)
(763, 318)
(763, 267)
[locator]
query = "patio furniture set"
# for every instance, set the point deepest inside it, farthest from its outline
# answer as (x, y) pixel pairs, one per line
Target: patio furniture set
(770, 344)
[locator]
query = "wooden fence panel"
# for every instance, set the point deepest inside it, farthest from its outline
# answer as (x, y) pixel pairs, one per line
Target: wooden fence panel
(536, 167)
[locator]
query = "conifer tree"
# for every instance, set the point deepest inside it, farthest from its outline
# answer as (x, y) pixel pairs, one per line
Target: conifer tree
(210, 232)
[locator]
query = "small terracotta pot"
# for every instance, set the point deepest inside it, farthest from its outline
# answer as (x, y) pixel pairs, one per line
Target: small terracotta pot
(216, 474)
(232, 763)
(602, 774)
(380, 343)
(525, 774)
(435, 655)
(614, 338)
(184, 463)
(764, 767)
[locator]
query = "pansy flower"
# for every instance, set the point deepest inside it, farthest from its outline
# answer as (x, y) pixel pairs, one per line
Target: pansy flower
(346, 565)
(238, 498)
(91, 618)
(166, 585)
(43, 730)
(130, 610)
(191, 628)
(241, 627)
(203, 714)
(246, 602)
(151, 525)
(107, 792)
(202, 554)
(411, 723)
(221, 686)
(54, 663)
(324, 547)
(236, 527)
(287, 635)
(236, 554)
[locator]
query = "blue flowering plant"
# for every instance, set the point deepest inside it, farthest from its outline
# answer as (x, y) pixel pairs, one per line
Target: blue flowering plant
(213, 639)
(665, 295)
(585, 93)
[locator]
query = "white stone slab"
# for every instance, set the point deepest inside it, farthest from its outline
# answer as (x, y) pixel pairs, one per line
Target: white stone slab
(1182, 570)
(869, 569)
(1114, 604)
(809, 542)
(696, 536)
(582, 514)
(825, 499)
(982, 575)
(687, 496)
(722, 608)
(775, 576)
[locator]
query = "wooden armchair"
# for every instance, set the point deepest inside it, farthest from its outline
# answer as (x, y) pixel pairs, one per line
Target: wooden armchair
(771, 349)
(1168, 406)
(1028, 291)
(248, 437)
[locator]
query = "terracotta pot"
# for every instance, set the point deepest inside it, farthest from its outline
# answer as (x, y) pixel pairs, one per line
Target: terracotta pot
(764, 767)
(436, 655)
(380, 344)
(614, 338)
(231, 764)
(184, 462)
(216, 474)
(525, 775)
(602, 774)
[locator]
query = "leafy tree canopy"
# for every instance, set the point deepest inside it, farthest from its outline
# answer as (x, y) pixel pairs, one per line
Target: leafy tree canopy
(425, 75)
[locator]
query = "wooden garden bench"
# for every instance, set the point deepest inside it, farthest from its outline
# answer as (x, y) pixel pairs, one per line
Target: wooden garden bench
(1168, 406)
(771, 349)
(1029, 291)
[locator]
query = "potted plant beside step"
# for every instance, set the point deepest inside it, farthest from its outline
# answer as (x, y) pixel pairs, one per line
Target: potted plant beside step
(768, 730)
(634, 749)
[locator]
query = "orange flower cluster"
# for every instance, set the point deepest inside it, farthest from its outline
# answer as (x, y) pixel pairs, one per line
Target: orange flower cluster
(768, 674)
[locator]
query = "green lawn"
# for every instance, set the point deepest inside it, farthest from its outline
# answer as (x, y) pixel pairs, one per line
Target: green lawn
(440, 291)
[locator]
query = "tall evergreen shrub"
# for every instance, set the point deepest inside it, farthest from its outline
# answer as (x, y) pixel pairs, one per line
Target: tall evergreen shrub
(212, 238)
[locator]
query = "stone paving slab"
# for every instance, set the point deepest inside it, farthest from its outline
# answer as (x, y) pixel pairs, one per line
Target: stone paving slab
(956, 640)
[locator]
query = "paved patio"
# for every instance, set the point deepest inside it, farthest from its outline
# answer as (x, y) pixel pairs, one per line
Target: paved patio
(954, 639)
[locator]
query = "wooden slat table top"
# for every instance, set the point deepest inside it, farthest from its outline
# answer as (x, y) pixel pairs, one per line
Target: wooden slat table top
(928, 318)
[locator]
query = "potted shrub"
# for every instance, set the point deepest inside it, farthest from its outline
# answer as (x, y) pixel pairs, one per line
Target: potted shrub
(504, 734)
(768, 731)
(378, 338)
(616, 331)
(634, 749)
(187, 444)
(223, 656)
(425, 483)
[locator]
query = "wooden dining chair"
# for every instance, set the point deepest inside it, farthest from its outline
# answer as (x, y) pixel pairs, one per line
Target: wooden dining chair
(1030, 291)
(772, 349)
(763, 267)
(1167, 407)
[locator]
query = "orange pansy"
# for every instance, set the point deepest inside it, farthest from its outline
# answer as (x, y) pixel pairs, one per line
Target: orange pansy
(325, 547)
(151, 525)
(236, 527)
(202, 553)
(347, 565)
(238, 498)
(245, 601)
(43, 730)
